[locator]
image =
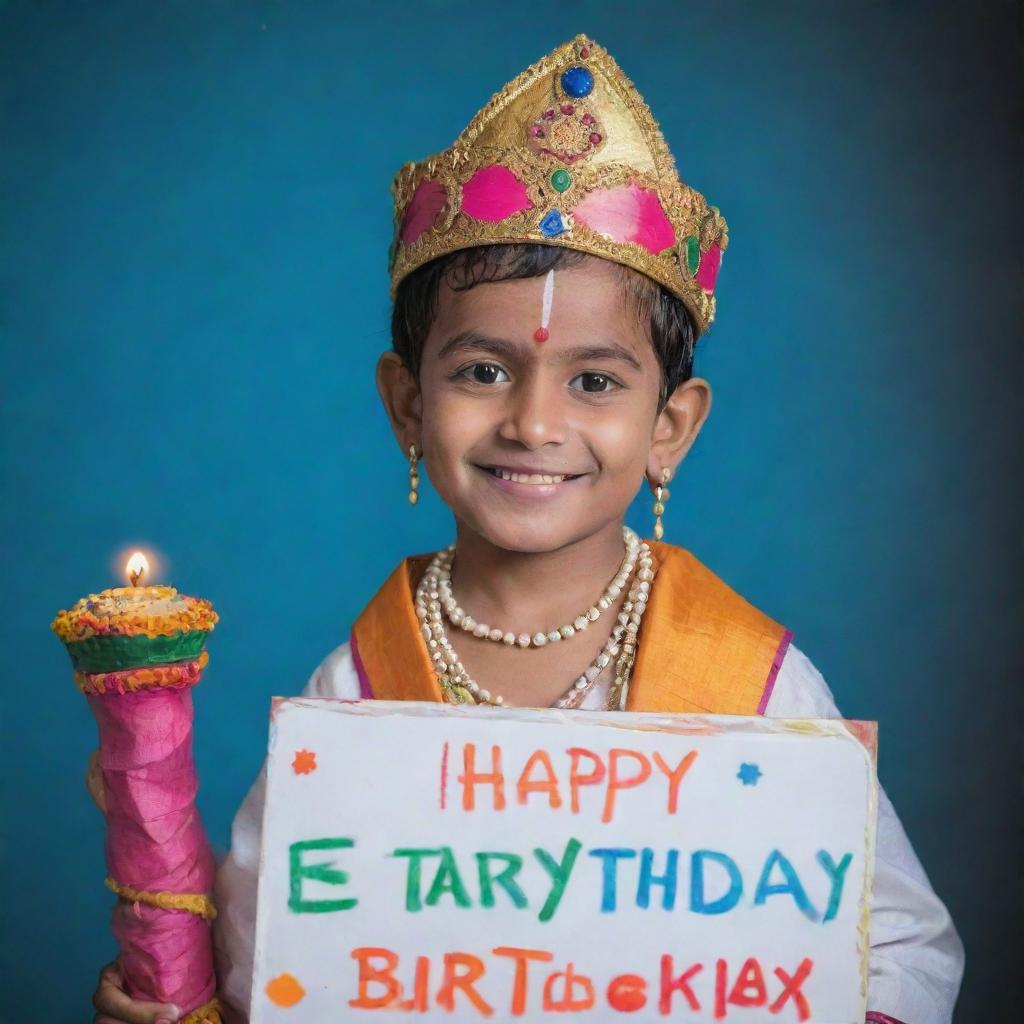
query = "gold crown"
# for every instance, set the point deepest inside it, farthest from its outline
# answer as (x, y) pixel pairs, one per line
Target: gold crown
(566, 154)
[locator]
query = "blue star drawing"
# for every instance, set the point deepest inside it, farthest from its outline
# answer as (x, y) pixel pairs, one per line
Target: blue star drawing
(749, 774)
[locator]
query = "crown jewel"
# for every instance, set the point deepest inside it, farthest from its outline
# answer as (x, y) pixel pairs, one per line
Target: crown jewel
(568, 154)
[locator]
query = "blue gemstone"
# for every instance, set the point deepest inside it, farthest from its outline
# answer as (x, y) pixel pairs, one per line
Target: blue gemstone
(577, 82)
(552, 224)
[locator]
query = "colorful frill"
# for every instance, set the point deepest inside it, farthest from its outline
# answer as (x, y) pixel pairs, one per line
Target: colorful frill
(134, 611)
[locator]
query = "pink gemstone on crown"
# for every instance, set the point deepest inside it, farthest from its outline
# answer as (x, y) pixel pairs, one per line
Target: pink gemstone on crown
(710, 264)
(493, 194)
(568, 108)
(628, 213)
(427, 202)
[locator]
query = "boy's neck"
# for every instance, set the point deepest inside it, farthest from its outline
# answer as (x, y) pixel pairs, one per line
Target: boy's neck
(522, 591)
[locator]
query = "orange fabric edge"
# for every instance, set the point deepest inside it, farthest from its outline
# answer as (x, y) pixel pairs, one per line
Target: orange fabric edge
(702, 648)
(387, 634)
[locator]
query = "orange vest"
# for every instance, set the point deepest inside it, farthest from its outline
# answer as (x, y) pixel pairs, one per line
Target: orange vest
(701, 647)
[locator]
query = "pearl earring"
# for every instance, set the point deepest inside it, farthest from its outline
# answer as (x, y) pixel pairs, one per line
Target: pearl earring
(414, 475)
(661, 495)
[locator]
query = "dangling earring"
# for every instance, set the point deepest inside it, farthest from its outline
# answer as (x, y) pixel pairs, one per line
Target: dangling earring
(414, 475)
(661, 495)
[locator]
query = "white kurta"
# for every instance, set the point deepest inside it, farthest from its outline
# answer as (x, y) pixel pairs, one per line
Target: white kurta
(916, 958)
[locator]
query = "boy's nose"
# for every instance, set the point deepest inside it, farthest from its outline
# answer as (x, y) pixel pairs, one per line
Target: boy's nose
(535, 415)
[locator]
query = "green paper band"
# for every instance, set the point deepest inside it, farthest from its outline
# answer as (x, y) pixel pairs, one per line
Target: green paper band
(111, 653)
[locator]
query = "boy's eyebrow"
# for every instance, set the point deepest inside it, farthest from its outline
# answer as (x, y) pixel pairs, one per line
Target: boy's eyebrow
(502, 347)
(607, 350)
(474, 339)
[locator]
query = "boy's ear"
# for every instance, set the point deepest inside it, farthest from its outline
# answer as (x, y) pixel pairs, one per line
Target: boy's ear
(677, 427)
(401, 397)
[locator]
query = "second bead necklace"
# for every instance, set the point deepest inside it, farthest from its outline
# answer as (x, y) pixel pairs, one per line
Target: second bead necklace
(460, 687)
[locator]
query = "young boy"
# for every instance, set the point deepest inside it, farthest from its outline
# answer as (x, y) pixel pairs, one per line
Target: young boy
(551, 274)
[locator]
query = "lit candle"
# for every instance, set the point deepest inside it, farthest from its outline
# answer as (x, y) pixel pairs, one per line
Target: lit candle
(137, 567)
(136, 652)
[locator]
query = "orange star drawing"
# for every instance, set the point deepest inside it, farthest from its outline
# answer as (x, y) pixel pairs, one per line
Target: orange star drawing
(304, 763)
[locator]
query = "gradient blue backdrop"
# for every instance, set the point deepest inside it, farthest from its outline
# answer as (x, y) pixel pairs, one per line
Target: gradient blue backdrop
(195, 218)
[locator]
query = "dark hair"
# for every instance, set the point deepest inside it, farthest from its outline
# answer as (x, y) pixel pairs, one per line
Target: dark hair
(669, 322)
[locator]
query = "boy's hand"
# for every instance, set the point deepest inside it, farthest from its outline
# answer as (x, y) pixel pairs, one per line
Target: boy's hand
(94, 781)
(115, 1007)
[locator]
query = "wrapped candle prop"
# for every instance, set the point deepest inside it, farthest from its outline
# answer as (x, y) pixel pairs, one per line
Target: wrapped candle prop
(136, 652)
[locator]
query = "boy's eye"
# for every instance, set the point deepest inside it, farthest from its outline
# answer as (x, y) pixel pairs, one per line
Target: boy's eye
(483, 373)
(595, 383)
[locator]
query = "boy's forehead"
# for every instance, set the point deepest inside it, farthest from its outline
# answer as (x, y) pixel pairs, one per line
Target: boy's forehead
(591, 291)
(589, 307)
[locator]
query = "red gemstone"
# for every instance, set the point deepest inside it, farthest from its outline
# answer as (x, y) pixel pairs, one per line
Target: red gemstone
(541, 334)
(584, 52)
(587, 119)
(568, 108)
(548, 115)
(595, 138)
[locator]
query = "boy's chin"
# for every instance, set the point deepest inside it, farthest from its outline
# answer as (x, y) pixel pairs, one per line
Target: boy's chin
(536, 537)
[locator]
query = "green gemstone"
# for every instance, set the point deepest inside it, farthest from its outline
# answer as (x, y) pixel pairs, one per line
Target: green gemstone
(692, 253)
(561, 180)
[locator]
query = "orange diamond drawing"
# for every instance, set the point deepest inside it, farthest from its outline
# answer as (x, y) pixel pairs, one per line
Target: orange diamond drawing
(285, 990)
(304, 763)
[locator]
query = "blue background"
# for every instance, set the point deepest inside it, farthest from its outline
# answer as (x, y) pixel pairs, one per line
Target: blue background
(195, 218)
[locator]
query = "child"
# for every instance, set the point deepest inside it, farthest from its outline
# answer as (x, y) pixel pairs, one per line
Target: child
(551, 274)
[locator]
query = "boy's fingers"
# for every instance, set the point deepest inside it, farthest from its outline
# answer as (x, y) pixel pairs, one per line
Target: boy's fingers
(116, 1007)
(102, 1018)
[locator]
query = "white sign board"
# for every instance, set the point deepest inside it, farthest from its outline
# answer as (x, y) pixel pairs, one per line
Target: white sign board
(456, 864)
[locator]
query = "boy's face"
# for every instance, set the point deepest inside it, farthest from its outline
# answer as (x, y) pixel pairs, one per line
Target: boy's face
(574, 417)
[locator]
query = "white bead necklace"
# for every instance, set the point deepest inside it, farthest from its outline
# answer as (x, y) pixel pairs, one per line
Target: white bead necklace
(457, 616)
(458, 685)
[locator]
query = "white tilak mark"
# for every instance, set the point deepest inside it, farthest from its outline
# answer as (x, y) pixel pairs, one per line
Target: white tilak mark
(549, 294)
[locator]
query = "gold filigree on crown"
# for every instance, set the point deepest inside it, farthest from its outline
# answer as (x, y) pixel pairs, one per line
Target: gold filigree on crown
(566, 154)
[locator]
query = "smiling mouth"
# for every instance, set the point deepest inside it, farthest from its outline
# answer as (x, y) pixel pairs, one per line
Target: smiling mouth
(528, 478)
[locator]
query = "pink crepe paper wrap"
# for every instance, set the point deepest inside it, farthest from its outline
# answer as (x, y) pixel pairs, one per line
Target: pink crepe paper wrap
(156, 842)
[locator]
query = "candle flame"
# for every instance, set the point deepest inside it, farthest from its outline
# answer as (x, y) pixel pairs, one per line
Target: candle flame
(137, 567)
